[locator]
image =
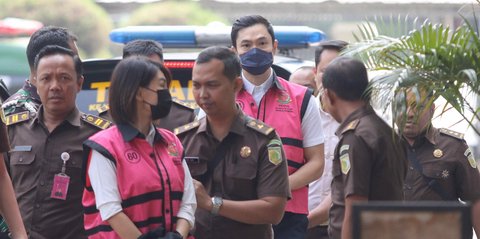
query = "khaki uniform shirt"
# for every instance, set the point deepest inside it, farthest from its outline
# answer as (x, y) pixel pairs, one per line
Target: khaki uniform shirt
(180, 114)
(33, 162)
(4, 146)
(445, 158)
(367, 162)
(253, 167)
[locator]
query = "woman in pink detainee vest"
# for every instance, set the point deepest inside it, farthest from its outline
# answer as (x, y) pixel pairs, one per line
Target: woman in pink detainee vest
(136, 184)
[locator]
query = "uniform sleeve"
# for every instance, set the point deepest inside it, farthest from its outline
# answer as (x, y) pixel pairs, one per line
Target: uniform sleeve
(4, 145)
(356, 162)
(189, 201)
(312, 132)
(273, 173)
(467, 176)
(103, 177)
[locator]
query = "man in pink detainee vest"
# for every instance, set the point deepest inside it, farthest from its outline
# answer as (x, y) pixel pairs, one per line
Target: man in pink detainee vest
(287, 107)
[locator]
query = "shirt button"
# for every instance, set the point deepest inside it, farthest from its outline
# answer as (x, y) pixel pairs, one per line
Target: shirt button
(21, 160)
(37, 205)
(411, 168)
(42, 183)
(409, 187)
(167, 211)
(152, 155)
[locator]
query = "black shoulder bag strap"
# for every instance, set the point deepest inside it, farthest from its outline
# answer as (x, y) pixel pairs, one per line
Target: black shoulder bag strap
(217, 158)
(431, 182)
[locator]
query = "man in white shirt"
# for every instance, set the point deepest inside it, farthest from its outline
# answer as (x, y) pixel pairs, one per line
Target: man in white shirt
(319, 198)
(287, 107)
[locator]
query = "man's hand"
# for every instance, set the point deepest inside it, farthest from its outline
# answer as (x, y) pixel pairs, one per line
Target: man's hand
(204, 200)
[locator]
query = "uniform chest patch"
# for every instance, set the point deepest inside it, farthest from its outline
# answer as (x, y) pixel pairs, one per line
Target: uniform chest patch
(275, 151)
(132, 156)
(468, 153)
(172, 149)
(345, 159)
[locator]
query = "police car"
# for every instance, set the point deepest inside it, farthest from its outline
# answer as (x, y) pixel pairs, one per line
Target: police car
(181, 46)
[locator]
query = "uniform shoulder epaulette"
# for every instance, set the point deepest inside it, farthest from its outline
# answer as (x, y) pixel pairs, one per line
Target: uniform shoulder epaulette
(17, 118)
(351, 126)
(187, 127)
(259, 126)
(96, 121)
(451, 133)
(102, 109)
(191, 106)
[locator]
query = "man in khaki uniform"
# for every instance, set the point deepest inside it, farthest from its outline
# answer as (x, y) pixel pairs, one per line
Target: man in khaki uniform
(441, 165)
(8, 203)
(239, 162)
(368, 164)
(180, 112)
(46, 157)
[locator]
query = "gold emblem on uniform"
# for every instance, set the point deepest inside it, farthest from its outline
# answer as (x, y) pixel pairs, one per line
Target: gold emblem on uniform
(437, 153)
(245, 151)
(445, 173)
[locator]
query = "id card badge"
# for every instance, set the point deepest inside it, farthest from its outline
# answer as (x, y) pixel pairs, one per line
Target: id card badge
(60, 186)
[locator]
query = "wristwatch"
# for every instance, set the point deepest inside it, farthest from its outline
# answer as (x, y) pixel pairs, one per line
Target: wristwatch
(216, 204)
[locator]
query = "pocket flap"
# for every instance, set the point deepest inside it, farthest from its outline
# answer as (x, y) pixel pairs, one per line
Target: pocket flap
(22, 158)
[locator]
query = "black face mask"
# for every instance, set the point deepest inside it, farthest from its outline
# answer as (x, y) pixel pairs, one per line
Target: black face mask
(162, 108)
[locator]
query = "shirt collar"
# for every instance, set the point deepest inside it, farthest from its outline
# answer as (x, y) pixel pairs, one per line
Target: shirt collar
(73, 118)
(360, 112)
(237, 126)
(129, 133)
(272, 80)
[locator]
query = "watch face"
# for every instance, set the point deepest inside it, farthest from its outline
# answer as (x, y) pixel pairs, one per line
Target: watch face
(218, 200)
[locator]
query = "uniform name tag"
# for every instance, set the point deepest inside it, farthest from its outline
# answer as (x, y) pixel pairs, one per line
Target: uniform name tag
(22, 148)
(60, 186)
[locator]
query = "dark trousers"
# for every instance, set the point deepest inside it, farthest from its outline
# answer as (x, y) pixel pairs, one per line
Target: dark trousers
(317, 232)
(292, 226)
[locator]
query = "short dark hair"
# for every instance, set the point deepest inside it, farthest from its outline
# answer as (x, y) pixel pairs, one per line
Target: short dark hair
(348, 78)
(143, 48)
(248, 21)
(128, 76)
(232, 68)
(337, 45)
(58, 50)
(49, 35)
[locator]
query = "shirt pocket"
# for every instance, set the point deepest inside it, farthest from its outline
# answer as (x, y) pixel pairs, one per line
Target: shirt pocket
(241, 178)
(436, 173)
(197, 167)
(22, 158)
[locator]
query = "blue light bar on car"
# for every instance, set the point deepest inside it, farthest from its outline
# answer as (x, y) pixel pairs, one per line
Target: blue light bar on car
(199, 37)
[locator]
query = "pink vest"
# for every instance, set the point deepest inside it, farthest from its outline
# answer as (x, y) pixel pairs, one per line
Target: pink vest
(283, 107)
(150, 181)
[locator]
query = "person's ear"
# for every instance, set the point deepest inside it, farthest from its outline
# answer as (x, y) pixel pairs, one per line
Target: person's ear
(232, 48)
(275, 47)
(238, 84)
(34, 80)
(80, 83)
(331, 96)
